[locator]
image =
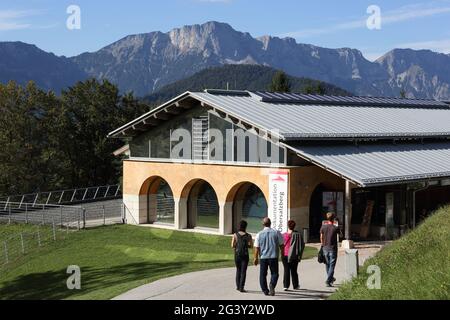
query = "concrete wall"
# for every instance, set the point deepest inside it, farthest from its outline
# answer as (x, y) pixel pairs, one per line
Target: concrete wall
(138, 178)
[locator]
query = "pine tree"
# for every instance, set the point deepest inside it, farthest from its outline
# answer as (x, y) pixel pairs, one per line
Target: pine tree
(280, 83)
(403, 93)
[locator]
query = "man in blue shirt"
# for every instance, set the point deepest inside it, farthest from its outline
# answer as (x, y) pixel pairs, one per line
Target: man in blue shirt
(268, 244)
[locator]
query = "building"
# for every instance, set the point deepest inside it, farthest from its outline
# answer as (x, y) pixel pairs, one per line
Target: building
(208, 159)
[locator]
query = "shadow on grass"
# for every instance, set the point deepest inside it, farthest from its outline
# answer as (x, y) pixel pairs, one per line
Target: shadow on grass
(51, 285)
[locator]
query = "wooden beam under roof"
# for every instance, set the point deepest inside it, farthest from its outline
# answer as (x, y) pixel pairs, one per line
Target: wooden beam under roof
(234, 119)
(221, 113)
(173, 109)
(205, 105)
(141, 126)
(128, 131)
(162, 115)
(151, 121)
(186, 103)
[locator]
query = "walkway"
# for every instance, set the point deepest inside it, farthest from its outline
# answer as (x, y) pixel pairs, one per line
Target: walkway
(218, 284)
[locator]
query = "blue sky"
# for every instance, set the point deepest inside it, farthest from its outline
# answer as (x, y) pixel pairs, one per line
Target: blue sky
(330, 23)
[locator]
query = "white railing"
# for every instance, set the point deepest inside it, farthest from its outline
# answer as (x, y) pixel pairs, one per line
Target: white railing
(69, 196)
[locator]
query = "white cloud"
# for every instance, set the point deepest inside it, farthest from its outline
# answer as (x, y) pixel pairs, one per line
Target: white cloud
(5, 26)
(11, 19)
(415, 11)
(405, 13)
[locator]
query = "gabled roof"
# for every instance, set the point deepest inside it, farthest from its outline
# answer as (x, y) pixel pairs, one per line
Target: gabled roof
(295, 118)
(303, 117)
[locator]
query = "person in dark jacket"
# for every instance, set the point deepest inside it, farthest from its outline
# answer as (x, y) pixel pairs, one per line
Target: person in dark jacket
(292, 255)
(241, 242)
(328, 238)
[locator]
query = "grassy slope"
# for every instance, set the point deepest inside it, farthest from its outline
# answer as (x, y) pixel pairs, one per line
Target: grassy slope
(113, 260)
(416, 266)
(7, 231)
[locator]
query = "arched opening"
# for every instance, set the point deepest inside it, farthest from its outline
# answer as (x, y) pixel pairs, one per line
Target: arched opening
(203, 206)
(249, 204)
(160, 202)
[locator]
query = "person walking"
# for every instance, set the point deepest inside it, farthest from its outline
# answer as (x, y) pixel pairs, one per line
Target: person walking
(268, 244)
(292, 255)
(241, 242)
(328, 238)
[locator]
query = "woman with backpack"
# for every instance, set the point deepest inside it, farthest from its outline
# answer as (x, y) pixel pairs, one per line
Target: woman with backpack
(241, 242)
(293, 251)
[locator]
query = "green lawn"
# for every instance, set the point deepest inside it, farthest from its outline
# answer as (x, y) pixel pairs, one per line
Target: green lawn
(417, 266)
(7, 231)
(112, 259)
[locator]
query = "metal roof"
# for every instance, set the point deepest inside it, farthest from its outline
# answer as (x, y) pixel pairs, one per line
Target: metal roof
(312, 116)
(306, 121)
(378, 164)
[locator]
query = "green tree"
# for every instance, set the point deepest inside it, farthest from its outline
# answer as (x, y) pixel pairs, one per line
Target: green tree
(403, 93)
(280, 83)
(312, 88)
(90, 110)
(26, 160)
(51, 142)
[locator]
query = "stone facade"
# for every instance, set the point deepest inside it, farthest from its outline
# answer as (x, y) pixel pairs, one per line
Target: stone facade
(226, 181)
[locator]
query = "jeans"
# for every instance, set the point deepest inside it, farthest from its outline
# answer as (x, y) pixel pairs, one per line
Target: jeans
(263, 266)
(290, 269)
(330, 262)
(241, 271)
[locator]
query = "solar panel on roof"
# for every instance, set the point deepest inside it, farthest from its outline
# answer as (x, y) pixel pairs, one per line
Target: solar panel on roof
(279, 97)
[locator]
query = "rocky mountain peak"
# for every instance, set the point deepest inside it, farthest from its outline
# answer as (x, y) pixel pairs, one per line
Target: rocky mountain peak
(145, 62)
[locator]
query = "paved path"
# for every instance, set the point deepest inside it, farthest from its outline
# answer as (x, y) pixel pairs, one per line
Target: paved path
(218, 284)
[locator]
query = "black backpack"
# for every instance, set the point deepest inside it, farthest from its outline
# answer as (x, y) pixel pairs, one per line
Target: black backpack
(241, 245)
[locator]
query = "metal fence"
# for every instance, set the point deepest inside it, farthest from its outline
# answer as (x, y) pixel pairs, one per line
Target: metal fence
(50, 223)
(16, 246)
(30, 213)
(103, 213)
(78, 217)
(70, 196)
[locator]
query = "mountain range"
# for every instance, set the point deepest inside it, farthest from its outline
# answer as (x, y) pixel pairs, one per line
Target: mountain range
(144, 63)
(23, 62)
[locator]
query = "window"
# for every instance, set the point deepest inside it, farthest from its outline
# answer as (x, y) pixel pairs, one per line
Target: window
(200, 138)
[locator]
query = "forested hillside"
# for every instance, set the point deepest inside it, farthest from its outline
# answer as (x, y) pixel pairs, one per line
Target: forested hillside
(240, 77)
